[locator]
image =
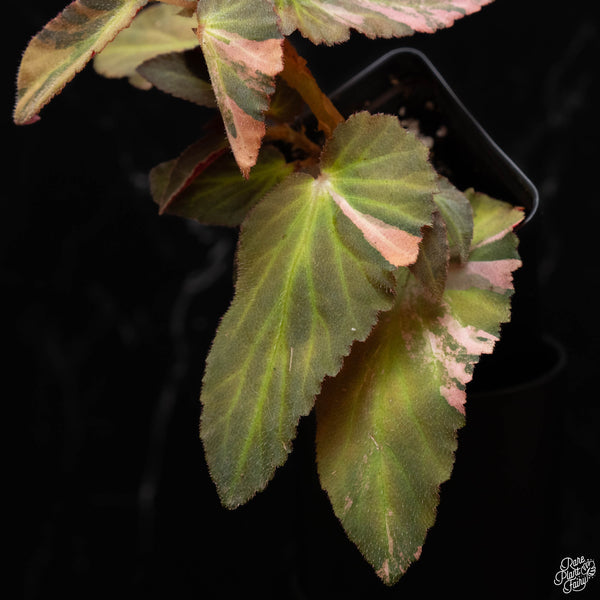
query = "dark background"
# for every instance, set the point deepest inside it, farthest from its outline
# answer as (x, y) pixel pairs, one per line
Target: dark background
(110, 310)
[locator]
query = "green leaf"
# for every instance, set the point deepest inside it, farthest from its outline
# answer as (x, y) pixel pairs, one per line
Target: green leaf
(242, 46)
(330, 21)
(431, 268)
(457, 213)
(494, 219)
(220, 196)
(181, 75)
(169, 179)
(310, 284)
(386, 425)
(65, 45)
(158, 29)
(493, 255)
(448, 239)
(286, 103)
(379, 176)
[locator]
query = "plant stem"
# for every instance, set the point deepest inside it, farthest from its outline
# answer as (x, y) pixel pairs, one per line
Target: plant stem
(298, 76)
(297, 139)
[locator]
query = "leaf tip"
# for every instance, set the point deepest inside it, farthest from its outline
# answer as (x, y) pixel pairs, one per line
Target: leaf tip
(384, 572)
(20, 119)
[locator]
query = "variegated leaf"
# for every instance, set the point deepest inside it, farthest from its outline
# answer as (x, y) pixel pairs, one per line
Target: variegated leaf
(181, 75)
(218, 195)
(170, 178)
(457, 213)
(494, 219)
(330, 21)
(243, 50)
(158, 29)
(493, 255)
(386, 425)
(65, 45)
(312, 279)
(448, 239)
(379, 176)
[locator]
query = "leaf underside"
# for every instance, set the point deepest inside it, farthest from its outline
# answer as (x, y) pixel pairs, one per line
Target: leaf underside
(65, 45)
(181, 74)
(386, 425)
(310, 283)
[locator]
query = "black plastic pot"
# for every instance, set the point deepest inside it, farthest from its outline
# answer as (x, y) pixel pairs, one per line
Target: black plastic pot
(493, 534)
(405, 83)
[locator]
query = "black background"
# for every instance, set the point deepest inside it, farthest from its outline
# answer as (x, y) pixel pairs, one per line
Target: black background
(110, 310)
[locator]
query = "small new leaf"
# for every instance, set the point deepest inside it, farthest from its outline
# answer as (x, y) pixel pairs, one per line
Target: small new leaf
(386, 424)
(65, 45)
(456, 211)
(431, 267)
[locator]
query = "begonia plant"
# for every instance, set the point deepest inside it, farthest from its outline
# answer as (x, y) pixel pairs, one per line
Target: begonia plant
(367, 285)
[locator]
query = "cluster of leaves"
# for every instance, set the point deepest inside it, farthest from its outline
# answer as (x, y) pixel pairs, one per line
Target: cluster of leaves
(365, 281)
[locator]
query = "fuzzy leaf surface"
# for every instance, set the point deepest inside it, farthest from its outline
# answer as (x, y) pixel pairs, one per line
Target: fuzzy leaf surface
(310, 284)
(386, 425)
(330, 21)
(456, 211)
(170, 178)
(65, 45)
(158, 29)
(379, 176)
(431, 267)
(242, 46)
(218, 195)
